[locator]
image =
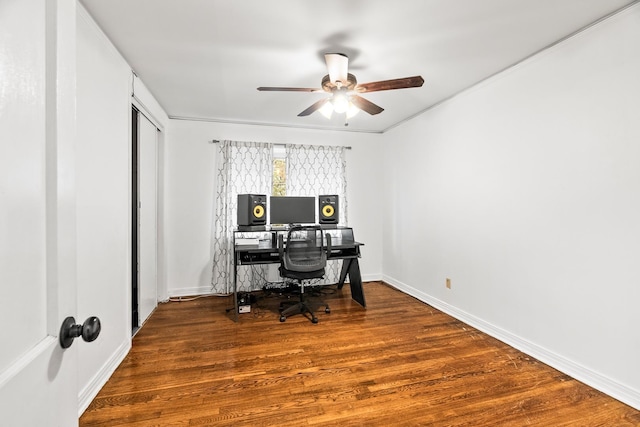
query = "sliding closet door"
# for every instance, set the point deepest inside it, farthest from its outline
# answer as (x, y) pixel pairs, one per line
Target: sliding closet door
(147, 218)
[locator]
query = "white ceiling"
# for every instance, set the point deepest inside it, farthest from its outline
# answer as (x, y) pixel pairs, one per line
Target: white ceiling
(204, 59)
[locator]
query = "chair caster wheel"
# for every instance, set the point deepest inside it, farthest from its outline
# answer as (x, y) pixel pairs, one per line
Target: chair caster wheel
(314, 320)
(327, 310)
(283, 318)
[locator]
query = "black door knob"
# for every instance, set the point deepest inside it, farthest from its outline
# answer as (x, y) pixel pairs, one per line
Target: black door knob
(69, 330)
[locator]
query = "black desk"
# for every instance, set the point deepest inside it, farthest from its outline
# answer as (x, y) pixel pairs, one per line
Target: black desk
(266, 252)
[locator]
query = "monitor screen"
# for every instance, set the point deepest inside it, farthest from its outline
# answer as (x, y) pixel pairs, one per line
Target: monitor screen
(292, 210)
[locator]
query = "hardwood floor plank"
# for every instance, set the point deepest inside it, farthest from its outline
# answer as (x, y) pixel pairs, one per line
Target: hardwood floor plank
(399, 362)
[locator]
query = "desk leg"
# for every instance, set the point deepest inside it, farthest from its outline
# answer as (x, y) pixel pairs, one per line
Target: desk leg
(346, 263)
(235, 287)
(351, 266)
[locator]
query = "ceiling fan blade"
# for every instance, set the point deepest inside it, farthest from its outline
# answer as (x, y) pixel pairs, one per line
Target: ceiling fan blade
(338, 67)
(316, 106)
(366, 105)
(289, 89)
(406, 82)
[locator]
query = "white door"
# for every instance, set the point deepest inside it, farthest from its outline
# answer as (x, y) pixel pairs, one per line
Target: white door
(38, 379)
(147, 218)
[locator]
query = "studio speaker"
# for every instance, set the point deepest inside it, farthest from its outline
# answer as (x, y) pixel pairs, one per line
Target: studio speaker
(328, 209)
(252, 209)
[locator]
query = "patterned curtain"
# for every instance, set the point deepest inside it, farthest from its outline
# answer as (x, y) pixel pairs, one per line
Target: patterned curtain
(313, 170)
(242, 168)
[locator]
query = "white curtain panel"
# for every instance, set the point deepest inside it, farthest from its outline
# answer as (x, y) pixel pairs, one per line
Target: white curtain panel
(242, 168)
(318, 169)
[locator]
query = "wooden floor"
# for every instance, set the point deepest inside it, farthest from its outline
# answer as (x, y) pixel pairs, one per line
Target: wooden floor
(400, 362)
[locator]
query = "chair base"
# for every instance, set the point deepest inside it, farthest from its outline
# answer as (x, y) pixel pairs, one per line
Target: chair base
(301, 307)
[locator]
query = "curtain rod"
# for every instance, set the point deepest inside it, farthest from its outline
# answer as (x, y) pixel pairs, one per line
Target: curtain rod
(215, 141)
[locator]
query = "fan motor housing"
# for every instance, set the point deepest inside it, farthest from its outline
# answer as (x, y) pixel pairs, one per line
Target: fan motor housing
(329, 86)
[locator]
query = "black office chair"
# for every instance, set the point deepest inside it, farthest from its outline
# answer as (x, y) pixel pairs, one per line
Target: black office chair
(303, 259)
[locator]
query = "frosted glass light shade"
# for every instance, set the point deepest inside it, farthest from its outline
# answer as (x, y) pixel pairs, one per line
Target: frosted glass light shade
(340, 103)
(352, 110)
(326, 110)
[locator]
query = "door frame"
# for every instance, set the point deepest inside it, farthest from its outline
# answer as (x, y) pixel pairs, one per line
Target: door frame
(135, 201)
(139, 290)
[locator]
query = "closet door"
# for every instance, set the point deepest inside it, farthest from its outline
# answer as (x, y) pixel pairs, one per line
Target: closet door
(147, 218)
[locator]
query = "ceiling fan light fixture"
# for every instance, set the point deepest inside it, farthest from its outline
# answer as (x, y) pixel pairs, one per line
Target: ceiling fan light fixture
(352, 110)
(327, 110)
(340, 103)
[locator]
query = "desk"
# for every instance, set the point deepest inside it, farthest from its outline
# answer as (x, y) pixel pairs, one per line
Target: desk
(266, 252)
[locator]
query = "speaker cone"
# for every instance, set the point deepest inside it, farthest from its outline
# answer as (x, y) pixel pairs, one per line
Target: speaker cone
(327, 210)
(258, 211)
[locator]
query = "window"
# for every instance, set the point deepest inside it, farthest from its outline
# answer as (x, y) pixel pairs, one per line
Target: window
(279, 177)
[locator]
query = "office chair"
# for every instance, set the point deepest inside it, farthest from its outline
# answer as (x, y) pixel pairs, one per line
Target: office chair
(302, 259)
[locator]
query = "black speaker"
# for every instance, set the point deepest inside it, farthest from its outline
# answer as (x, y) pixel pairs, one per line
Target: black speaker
(328, 209)
(252, 209)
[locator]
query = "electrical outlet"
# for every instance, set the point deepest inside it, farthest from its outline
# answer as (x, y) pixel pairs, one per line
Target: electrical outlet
(448, 283)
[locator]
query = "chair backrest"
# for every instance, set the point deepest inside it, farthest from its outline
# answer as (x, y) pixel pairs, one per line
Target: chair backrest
(304, 250)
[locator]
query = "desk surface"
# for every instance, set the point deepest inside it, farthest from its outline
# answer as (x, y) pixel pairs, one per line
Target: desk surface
(267, 245)
(343, 244)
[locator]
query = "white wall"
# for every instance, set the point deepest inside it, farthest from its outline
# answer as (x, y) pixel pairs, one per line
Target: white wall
(190, 182)
(102, 200)
(525, 191)
(103, 203)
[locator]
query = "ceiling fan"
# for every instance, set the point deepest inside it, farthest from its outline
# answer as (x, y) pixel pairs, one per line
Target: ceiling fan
(345, 90)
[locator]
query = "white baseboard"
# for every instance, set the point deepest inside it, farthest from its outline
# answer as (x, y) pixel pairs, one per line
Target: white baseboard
(593, 379)
(89, 393)
(372, 277)
(187, 292)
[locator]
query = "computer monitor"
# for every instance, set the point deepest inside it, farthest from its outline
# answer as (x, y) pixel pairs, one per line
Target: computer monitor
(292, 210)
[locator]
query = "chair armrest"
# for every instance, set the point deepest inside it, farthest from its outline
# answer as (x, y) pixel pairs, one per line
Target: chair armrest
(328, 237)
